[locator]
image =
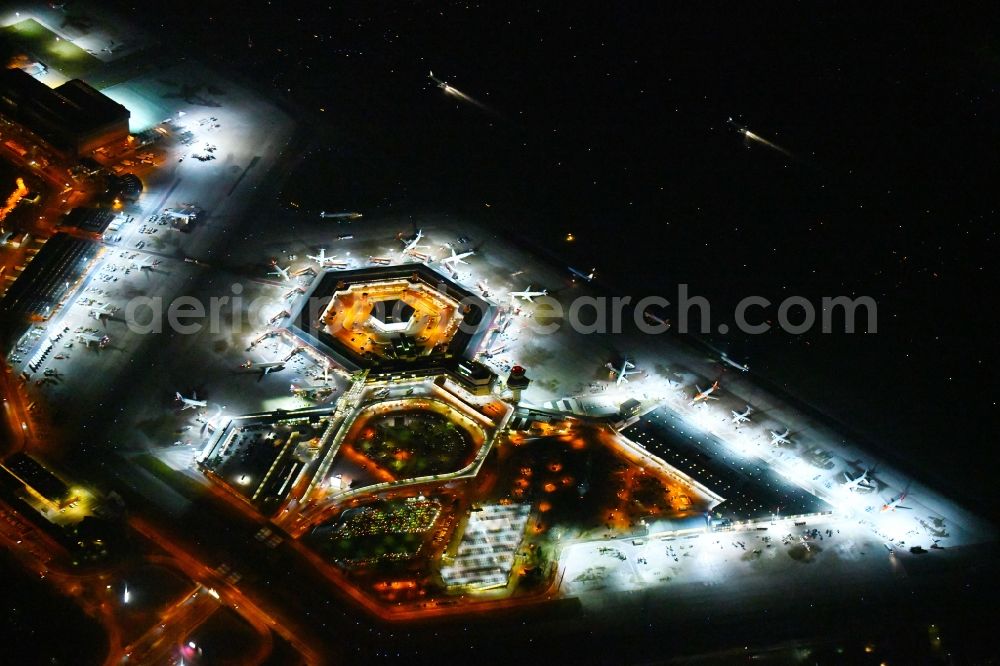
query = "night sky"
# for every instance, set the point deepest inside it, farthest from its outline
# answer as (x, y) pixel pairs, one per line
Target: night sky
(608, 120)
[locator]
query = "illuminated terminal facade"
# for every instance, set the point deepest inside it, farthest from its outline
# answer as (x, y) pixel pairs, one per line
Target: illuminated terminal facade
(391, 317)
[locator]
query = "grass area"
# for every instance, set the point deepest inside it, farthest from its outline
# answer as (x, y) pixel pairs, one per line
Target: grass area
(45, 46)
(372, 547)
(427, 444)
(170, 476)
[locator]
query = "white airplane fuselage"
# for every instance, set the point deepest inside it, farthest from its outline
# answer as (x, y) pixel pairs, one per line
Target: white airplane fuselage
(780, 438)
(190, 403)
(741, 417)
(528, 295)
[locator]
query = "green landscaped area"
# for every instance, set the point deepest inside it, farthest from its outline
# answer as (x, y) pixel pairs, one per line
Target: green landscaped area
(383, 531)
(47, 47)
(408, 445)
(164, 472)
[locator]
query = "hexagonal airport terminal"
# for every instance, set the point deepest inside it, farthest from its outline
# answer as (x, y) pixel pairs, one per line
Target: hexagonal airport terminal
(393, 315)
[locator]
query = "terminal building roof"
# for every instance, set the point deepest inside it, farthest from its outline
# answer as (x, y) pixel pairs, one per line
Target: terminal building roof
(751, 488)
(46, 278)
(63, 116)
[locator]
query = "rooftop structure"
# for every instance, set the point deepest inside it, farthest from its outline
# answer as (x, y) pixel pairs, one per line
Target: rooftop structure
(486, 554)
(36, 478)
(47, 278)
(399, 317)
(260, 457)
(750, 488)
(92, 220)
(74, 117)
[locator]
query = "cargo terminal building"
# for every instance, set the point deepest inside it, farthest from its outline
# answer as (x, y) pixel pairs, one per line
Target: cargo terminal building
(74, 118)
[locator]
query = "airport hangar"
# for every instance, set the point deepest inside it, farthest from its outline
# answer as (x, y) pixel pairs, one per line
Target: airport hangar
(74, 118)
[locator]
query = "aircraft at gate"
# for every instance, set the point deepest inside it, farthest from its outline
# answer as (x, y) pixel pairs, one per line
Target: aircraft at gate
(527, 294)
(190, 403)
(893, 503)
(859, 482)
(742, 417)
(780, 438)
(621, 373)
(456, 258)
(281, 272)
(321, 259)
(411, 246)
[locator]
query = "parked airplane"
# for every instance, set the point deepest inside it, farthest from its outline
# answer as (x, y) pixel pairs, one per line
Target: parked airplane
(326, 373)
(860, 481)
(90, 339)
(705, 394)
(281, 272)
(410, 246)
(780, 438)
(182, 215)
(894, 503)
(743, 417)
(268, 368)
(456, 258)
(105, 310)
(147, 263)
(265, 368)
(190, 403)
(321, 259)
(527, 294)
(622, 373)
(587, 277)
